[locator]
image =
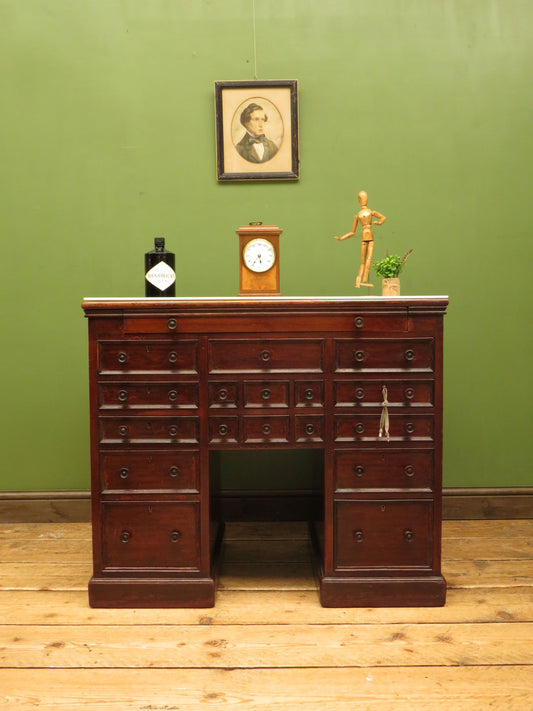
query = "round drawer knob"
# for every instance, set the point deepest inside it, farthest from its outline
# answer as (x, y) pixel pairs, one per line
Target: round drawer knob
(409, 470)
(123, 430)
(122, 395)
(172, 357)
(409, 536)
(223, 430)
(359, 470)
(359, 428)
(172, 324)
(409, 428)
(175, 536)
(125, 536)
(359, 356)
(359, 322)
(122, 357)
(409, 355)
(222, 394)
(310, 429)
(265, 394)
(360, 394)
(173, 472)
(173, 430)
(124, 473)
(358, 536)
(309, 394)
(409, 394)
(267, 429)
(172, 395)
(265, 356)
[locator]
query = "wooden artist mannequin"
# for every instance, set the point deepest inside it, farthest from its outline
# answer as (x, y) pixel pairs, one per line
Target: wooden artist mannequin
(364, 216)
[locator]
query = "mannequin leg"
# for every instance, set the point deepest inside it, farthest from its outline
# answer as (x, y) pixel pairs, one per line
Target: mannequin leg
(362, 267)
(368, 262)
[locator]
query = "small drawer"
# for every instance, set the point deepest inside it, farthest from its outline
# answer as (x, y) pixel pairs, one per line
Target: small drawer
(380, 323)
(223, 395)
(263, 430)
(402, 428)
(365, 393)
(266, 394)
(151, 536)
(279, 355)
(147, 357)
(223, 430)
(376, 355)
(150, 471)
(145, 430)
(383, 469)
(383, 534)
(158, 396)
(309, 393)
(309, 428)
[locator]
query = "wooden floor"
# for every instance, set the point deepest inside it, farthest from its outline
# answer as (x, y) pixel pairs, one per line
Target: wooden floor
(267, 644)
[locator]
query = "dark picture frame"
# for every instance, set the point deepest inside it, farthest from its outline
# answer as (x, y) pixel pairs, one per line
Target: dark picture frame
(257, 130)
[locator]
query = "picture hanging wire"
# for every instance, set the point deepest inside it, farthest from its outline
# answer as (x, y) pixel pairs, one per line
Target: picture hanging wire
(254, 39)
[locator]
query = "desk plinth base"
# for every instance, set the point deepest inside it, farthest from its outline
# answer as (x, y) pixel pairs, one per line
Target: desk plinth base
(151, 593)
(383, 592)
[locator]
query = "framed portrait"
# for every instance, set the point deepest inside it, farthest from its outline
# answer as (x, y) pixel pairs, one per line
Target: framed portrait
(257, 130)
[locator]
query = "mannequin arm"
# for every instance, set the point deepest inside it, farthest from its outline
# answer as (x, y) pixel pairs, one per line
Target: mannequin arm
(349, 234)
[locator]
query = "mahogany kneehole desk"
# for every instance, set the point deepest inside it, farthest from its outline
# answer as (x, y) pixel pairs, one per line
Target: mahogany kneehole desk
(173, 380)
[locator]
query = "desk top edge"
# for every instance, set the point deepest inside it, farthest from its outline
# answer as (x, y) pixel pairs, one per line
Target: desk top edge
(263, 304)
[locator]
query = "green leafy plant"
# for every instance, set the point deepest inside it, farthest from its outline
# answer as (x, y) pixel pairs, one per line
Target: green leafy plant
(390, 266)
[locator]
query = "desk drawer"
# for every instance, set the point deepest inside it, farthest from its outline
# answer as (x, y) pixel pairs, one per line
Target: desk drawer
(147, 357)
(266, 430)
(272, 355)
(144, 430)
(148, 395)
(150, 471)
(369, 393)
(376, 355)
(151, 535)
(383, 534)
(383, 469)
(403, 428)
(266, 394)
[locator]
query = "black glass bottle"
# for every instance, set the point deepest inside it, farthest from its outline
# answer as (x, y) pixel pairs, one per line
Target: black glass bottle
(159, 274)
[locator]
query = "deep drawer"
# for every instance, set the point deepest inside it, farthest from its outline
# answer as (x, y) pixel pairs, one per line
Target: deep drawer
(150, 471)
(139, 430)
(151, 535)
(147, 357)
(274, 355)
(375, 355)
(403, 428)
(148, 395)
(383, 469)
(365, 393)
(383, 534)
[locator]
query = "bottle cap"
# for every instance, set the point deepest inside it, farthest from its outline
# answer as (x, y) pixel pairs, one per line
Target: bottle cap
(159, 241)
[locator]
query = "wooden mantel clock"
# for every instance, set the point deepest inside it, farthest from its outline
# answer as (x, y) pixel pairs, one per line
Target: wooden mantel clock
(259, 259)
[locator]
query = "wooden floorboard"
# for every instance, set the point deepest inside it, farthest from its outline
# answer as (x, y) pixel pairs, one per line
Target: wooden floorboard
(267, 644)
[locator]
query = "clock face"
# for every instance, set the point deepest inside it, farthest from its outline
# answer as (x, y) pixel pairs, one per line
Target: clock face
(259, 255)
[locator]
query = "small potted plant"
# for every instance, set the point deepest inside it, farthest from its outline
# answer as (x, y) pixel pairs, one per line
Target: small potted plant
(389, 269)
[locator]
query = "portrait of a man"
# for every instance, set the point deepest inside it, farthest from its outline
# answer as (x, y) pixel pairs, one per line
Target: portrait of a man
(257, 130)
(255, 146)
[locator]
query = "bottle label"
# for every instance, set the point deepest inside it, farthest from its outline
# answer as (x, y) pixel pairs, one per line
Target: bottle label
(161, 276)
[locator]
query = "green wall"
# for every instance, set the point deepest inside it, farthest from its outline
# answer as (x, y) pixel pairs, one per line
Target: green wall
(107, 140)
